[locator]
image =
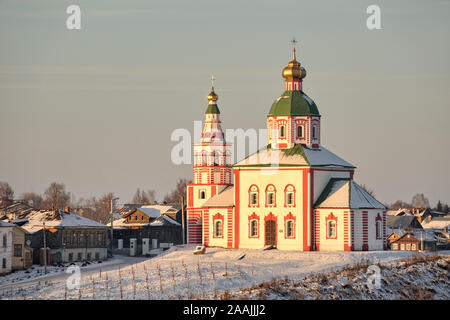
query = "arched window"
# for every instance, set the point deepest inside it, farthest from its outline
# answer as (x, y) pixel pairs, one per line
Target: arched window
(331, 229)
(282, 131)
(218, 225)
(290, 229)
(218, 229)
(271, 196)
(5, 241)
(299, 131)
(253, 196)
(202, 194)
(254, 228)
(289, 196)
(215, 155)
(378, 227)
(204, 159)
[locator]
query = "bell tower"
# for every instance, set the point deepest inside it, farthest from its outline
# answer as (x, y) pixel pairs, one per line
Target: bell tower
(212, 167)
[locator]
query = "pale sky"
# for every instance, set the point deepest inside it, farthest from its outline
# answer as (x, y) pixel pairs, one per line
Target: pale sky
(94, 108)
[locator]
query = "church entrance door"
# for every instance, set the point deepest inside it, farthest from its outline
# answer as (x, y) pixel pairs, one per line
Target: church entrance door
(270, 233)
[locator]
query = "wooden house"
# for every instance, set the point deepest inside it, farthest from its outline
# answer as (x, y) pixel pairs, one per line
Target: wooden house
(406, 242)
(69, 236)
(22, 253)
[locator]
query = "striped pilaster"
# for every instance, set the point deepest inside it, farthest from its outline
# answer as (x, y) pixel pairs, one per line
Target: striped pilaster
(365, 228)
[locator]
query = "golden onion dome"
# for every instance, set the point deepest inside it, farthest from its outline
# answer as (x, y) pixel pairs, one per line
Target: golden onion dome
(293, 71)
(212, 96)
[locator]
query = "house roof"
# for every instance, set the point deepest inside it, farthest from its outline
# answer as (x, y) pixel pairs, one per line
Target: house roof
(163, 209)
(223, 199)
(5, 224)
(19, 209)
(345, 193)
(122, 224)
(298, 156)
(149, 212)
(436, 223)
(398, 222)
(58, 219)
(163, 220)
(294, 103)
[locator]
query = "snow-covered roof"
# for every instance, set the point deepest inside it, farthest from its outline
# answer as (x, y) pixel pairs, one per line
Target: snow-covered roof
(163, 209)
(436, 223)
(5, 224)
(296, 156)
(58, 219)
(400, 222)
(345, 193)
(223, 199)
(149, 212)
(18, 209)
(158, 222)
(121, 224)
(72, 220)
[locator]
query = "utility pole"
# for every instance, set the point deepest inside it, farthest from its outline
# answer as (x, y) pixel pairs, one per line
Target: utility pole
(112, 229)
(182, 218)
(45, 250)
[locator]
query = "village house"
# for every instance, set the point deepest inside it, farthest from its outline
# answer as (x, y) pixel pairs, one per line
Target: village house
(147, 222)
(6, 236)
(22, 253)
(68, 236)
(406, 242)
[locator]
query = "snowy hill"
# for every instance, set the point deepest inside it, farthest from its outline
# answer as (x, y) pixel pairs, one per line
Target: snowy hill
(178, 274)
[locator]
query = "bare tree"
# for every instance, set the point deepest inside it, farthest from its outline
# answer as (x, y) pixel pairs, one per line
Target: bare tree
(179, 192)
(103, 207)
(143, 197)
(399, 204)
(32, 199)
(56, 197)
(420, 201)
(368, 190)
(6, 194)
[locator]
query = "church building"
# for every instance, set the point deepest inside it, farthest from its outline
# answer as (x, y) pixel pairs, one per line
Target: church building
(293, 194)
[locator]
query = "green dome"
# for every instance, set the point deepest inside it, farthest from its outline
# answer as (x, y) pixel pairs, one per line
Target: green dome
(212, 108)
(294, 103)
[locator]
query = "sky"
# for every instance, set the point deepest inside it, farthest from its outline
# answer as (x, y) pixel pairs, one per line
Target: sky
(95, 108)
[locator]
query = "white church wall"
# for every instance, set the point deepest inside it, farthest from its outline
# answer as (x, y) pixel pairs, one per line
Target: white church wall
(322, 177)
(220, 241)
(331, 243)
(279, 179)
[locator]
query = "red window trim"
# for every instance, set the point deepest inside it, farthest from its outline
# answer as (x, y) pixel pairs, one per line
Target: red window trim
(330, 217)
(286, 205)
(216, 217)
(274, 205)
(250, 205)
(285, 124)
(252, 217)
(289, 217)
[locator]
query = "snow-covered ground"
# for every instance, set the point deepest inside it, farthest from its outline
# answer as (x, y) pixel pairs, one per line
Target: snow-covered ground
(178, 274)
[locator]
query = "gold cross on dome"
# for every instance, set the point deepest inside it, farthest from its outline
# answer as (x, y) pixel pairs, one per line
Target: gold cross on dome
(293, 47)
(212, 82)
(294, 41)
